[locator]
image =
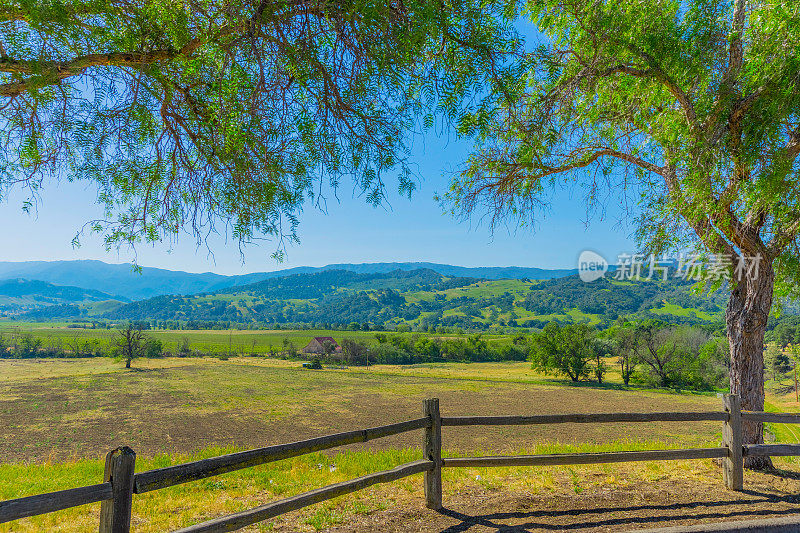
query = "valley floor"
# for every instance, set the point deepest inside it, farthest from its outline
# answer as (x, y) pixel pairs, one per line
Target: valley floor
(73, 408)
(61, 417)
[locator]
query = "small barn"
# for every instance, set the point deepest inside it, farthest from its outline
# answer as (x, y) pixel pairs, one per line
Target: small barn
(317, 345)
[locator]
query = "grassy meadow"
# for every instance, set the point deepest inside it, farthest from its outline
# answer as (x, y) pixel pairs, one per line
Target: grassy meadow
(61, 417)
(233, 341)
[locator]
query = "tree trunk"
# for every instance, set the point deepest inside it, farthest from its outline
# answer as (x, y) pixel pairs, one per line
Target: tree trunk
(746, 319)
(127, 363)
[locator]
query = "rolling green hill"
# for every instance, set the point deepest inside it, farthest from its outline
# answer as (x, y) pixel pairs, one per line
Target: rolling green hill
(148, 282)
(20, 296)
(420, 298)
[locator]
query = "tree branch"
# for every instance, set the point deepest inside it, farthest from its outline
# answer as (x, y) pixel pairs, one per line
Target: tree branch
(656, 72)
(43, 73)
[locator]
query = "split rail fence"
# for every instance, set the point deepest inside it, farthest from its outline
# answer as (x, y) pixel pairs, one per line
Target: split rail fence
(120, 482)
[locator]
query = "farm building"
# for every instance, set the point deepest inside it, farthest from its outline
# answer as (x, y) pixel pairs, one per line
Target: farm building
(317, 345)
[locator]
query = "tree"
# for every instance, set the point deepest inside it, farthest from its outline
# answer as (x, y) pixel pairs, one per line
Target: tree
(777, 362)
(29, 345)
(784, 335)
(185, 348)
(626, 341)
(354, 352)
(153, 348)
(687, 110)
(564, 349)
(131, 343)
(658, 349)
(187, 114)
(671, 353)
(601, 349)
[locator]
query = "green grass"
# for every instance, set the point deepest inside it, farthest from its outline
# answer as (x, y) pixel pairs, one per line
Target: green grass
(243, 342)
(676, 310)
(175, 410)
(182, 505)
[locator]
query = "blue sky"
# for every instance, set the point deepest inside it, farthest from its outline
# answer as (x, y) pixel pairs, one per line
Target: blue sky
(350, 232)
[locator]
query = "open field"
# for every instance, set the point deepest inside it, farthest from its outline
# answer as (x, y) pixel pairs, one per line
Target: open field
(184, 405)
(587, 498)
(206, 341)
(62, 416)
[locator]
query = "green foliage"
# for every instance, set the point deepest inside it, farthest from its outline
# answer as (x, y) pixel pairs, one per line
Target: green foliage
(565, 350)
(354, 352)
(777, 362)
(153, 348)
(689, 109)
(625, 340)
(187, 114)
(679, 356)
(131, 343)
(423, 300)
(29, 345)
(400, 349)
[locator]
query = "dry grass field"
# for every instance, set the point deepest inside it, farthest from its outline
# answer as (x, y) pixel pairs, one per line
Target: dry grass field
(60, 417)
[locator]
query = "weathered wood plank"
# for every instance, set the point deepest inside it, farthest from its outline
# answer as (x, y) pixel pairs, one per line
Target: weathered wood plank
(175, 475)
(773, 450)
(586, 458)
(432, 451)
(732, 464)
(115, 513)
(781, 418)
(264, 512)
(580, 418)
(53, 501)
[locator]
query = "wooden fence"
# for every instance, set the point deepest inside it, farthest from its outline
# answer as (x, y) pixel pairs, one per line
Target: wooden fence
(120, 482)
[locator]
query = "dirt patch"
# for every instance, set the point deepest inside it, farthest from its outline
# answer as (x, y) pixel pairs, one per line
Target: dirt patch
(602, 507)
(189, 408)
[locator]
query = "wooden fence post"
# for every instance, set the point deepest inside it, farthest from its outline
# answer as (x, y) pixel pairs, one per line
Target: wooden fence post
(733, 465)
(432, 450)
(115, 514)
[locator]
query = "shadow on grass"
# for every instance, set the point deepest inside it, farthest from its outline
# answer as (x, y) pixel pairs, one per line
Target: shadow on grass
(603, 517)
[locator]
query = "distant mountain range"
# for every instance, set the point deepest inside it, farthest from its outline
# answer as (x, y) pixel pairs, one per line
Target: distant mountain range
(22, 295)
(121, 280)
(382, 295)
(420, 299)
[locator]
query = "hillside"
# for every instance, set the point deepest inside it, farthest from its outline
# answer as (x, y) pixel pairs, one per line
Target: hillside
(18, 296)
(123, 280)
(423, 299)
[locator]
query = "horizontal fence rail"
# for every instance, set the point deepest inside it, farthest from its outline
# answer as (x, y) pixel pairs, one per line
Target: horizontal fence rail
(175, 475)
(586, 458)
(271, 510)
(580, 418)
(780, 418)
(772, 450)
(121, 483)
(53, 501)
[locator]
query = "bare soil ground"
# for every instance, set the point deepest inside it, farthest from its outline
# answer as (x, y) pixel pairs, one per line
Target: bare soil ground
(178, 407)
(191, 407)
(601, 506)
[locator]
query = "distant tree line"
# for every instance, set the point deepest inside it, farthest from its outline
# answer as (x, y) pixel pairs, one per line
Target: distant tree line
(381, 302)
(650, 352)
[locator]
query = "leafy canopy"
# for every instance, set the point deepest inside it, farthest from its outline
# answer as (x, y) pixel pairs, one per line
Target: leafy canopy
(687, 109)
(188, 113)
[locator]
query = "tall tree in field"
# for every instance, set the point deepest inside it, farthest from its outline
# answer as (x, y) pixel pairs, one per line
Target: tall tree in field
(193, 114)
(131, 343)
(690, 109)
